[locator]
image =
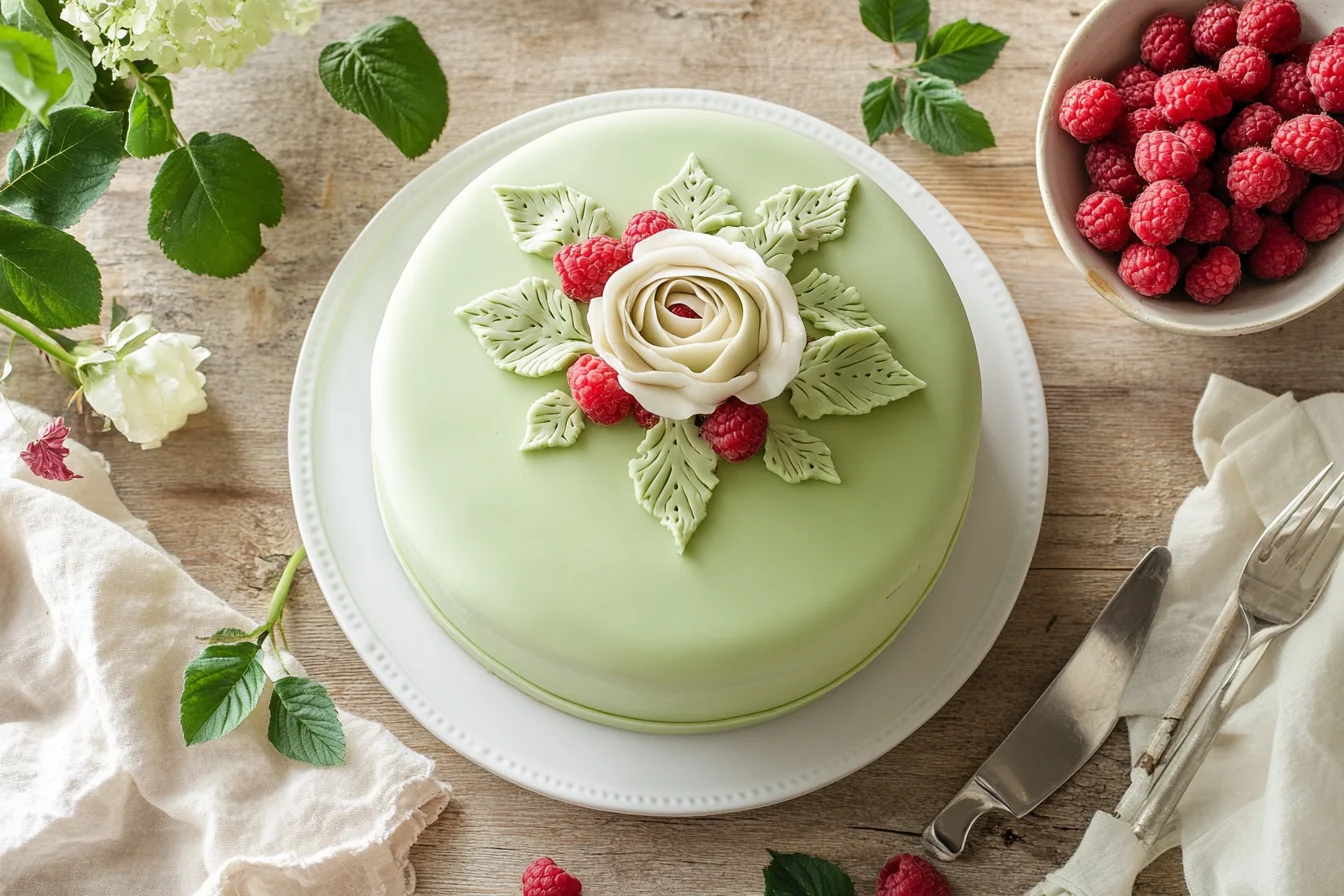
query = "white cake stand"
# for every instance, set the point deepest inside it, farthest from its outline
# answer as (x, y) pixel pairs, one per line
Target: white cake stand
(591, 765)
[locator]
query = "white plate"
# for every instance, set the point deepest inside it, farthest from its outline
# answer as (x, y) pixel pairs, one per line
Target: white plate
(579, 762)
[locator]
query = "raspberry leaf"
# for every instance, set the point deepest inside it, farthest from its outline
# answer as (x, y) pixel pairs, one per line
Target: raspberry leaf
(695, 202)
(150, 132)
(848, 374)
(673, 472)
(46, 276)
(896, 21)
(530, 329)
(219, 689)
(795, 455)
(72, 57)
(11, 112)
(58, 170)
(828, 304)
(882, 107)
(388, 74)
(553, 421)
(542, 219)
(936, 114)
(29, 71)
(794, 874)
(209, 201)
(304, 724)
(961, 51)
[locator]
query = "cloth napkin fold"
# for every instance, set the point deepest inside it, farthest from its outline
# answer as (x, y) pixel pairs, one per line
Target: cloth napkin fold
(98, 793)
(1261, 817)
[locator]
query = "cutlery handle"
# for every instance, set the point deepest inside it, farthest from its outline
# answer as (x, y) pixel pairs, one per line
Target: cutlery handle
(946, 837)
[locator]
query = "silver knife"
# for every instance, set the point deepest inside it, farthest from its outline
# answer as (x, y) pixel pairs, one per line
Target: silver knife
(1069, 722)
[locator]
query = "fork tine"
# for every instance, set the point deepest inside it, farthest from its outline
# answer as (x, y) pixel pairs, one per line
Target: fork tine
(1265, 546)
(1319, 539)
(1308, 518)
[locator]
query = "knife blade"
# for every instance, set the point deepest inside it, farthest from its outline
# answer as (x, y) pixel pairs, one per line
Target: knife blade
(1069, 722)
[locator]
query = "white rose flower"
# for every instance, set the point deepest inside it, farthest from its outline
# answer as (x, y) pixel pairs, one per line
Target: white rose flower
(144, 381)
(746, 342)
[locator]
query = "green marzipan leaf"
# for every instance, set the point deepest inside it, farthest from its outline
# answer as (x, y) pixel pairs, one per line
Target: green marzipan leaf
(553, 421)
(219, 688)
(774, 241)
(795, 455)
(816, 214)
(58, 171)
(795, 874)
(530, 329)
(304, 724)
(961, 51)
(48, 277)
(71, 56)
(849, 373)
(150, 132)
(882, 107)
(388, 74)
(674, 477)
(896, 21)
(828, 304)
(696, 202)
(542, 219)
(937, 115)
(209, 201)
(29, 72)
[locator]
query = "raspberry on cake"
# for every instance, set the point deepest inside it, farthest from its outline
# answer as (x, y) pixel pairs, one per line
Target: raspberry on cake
(1158, 216)
(585, 267)
(1090, 110)
(1271, 25)
(597, 390)
(736, 430)
(1104, 220)
(1166, 44)
(1214, 30)
(646, 224)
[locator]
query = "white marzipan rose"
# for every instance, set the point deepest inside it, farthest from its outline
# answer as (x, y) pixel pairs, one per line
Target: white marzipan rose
(747, 342)
(144, 381)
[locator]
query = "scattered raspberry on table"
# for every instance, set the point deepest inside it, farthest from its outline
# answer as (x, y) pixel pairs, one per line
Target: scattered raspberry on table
(907, 875)
(545, 878)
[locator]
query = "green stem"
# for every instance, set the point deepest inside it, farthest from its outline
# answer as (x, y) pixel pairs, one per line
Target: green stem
(37, 336)
(282, 589)
(147, 86)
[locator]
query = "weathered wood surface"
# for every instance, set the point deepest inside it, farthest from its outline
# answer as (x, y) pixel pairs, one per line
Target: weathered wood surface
(1120, 399)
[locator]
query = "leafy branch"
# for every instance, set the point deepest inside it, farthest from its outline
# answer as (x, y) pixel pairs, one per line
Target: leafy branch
(921, 95)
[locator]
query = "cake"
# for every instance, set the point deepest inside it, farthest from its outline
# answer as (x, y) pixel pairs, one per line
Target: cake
(642, 574)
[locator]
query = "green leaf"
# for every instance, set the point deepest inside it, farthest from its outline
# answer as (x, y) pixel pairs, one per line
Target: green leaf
(828, 304)
(774, 241)
(937, 115)
(795, 455)
(28, 70)
(553, 421)
(47, 276)
(388, 74)
(11, 112)
(816, 214)
(794, 874)
(896, 21)
(219, 688)
(530, 329)
(209, 201)
(695, 202)
(71, 56)
(58, 171)
(150, 132)
(543, 219)
(961, 51)
(882, 107)
(304, 724)
(850, 373)
(673, 471)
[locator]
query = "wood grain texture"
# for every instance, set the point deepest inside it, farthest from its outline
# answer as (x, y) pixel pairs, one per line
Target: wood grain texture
(1120, 399)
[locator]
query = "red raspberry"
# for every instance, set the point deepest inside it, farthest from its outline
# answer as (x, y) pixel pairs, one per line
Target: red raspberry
(1319, 214)
(1165, 44)
(585, 267)
(645, 419)
(1244, 230)
(907, 875)
(1214, 31)
(1298, 181)
(681, 309)
(1186, 253)
(1135, 86)
(735, 430)
(1280, 252)
(1150, 271)
(1209, 281)
(1254, 126)
(1333, 39)
(1089, 110)
(1256, 177)
(1289, 90)
(1135, 124)
(598, 392)
(1104, 220)
(644, 225)
(1271, 25)
(1200, 138)
(1207, 221)
(1325, 73)
(1158, 215)
(1111, 169)
(1191, 94)
(1202, 182)
(1313, 143)
(1243, 72)
(1161, 155)
(545, 878)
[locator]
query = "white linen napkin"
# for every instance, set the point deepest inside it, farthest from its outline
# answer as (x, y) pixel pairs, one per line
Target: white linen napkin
(98, 793)
(1262, 815)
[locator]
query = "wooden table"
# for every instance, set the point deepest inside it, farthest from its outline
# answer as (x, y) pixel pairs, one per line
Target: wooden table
(1120, 399)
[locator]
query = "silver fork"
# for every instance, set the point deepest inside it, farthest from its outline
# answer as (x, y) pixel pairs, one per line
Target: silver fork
(1278, 586)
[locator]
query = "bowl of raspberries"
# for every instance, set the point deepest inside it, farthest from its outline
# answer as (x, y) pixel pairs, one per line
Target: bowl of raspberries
(1191, 159)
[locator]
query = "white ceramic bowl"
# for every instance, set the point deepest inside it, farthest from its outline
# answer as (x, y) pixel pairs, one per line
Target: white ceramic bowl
(1105, 42)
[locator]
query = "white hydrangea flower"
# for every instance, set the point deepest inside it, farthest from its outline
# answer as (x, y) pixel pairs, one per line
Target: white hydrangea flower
(178, 34)
(144, 381)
